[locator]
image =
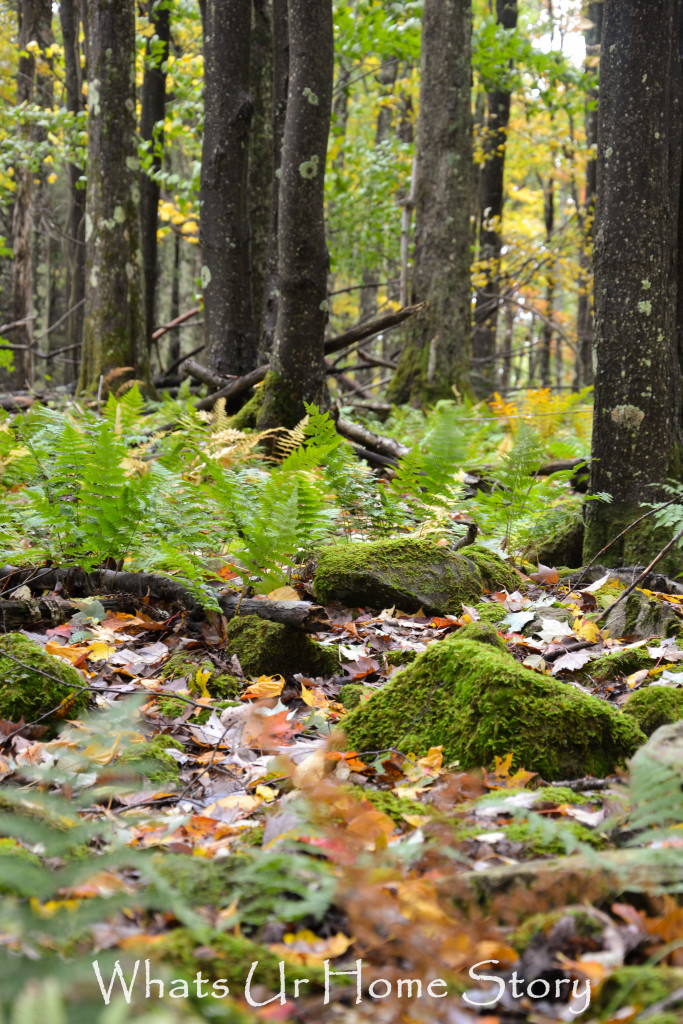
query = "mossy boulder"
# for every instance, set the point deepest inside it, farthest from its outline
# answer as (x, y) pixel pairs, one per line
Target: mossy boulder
(399, 657)
(409, 573)
(478, 703)
(655, 706)
(152, 760)
(269, 648)
(490, 611)
(186, 662)
(42, 683)
(619, 663)
(641, 616)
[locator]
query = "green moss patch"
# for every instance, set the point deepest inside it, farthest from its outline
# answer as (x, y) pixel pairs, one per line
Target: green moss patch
(40, 684)
(152, 760)
(621, 663)
(352, 694)
(478, 703)
(390, 804)
(539, 926)
(538, 844)
(655, 706)
(410, 573)
(483, 632)
(639, 986)
(269, 648)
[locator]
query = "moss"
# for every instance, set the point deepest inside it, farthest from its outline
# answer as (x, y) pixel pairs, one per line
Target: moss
(490, 611)
(560, 795)
(621, 663)
(26, 691)
(389, 803)
(187, 663)
(478, 702)
(640, 986)
(536, 843)
(154, 762)
(655, 706)
(565, 545)
(268, 648)
(483, 632)
(247, 417)
(352, 694)
(230, 957)
(224, 686)
(400, 658)
(586, 924)
(174, 708)
(409, 573)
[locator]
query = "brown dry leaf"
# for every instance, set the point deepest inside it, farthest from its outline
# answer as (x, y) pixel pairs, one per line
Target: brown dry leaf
(265, 686)
(283, 594)
(308, 949)
(545, 574)
(372, 826)
(418, 901)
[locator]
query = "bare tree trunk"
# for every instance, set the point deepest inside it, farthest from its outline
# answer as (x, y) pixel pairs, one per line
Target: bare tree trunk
(261, 146)
(584, 313)
(297, 372)
(69, 13)
(114, 337)
(491, 212)
(225, 244)
(547, 330)
(436, 355)
(637, 422)
(271, 296)
(152, 131)
(174, 346)
(35, 23)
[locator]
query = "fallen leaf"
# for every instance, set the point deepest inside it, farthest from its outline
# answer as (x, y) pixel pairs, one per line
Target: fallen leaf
(265, 686)
(572, 661)
(283, 594)
(545, 575)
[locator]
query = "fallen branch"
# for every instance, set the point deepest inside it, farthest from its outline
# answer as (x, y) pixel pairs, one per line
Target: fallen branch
(144, 586)
(160, 331)
(387, 446)
(191, 368)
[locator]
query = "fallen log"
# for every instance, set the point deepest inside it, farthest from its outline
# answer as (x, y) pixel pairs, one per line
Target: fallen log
(146, 586)
(386, 446)
(43, 613)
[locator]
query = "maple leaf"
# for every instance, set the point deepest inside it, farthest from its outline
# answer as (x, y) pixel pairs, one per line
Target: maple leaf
(265, 686)
(500, 777)
(270, 732)
(545, 575)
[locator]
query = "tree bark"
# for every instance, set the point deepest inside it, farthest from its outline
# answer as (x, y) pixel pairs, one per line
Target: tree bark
(547, 330)
(152, 131)
(490, 213)
(260, 187)
(114, 337)
(437, 351)
(584, 313)
(224, 222)
(271, 290)
(297, 372)
(637, 421)
(70, 17)
(35, 23)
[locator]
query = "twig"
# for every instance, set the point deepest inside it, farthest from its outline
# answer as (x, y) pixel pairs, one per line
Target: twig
(160, 331)
(644, 573)
(58, 323)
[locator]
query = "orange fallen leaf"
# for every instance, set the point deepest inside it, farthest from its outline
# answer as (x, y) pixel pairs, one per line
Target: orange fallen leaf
(265, 686)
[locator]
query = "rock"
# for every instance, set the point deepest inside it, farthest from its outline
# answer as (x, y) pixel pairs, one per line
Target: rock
(483, 632)
(619, 663)
(352, 694)
(479, 702)
(665, 746)
(654, 707)
(267, 648)
(150, 759)
(40, 684)
(409, 573)
(641, 616)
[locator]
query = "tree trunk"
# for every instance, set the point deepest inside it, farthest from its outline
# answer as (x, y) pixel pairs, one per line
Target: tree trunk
(584, 314)
(271, 295)
(174, 344)
(261, 146)
(226, 256)
(297, 372)
(69, 13)
(636, 432)
(547, 330)
(490, 237)
(152, 131)
(114, 337)
(437, 351)
(35, 23)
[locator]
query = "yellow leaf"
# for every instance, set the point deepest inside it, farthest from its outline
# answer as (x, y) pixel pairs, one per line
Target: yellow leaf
(202, 676)
(266, 793)
(265, 686)
(314, 698)
(100, 651)
(283, 594)
(71, 654)
(586, 630)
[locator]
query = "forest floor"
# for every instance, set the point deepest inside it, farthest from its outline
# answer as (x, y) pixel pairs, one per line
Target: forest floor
(193, 811)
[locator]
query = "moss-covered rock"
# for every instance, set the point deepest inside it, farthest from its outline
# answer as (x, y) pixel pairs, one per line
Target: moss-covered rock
(400, 658)
(620, 663)
(409, 573)
(637, 985)
(541, 926)
(538, 844)
(564, 546)
(187, 663)
(42, 683)
(655, 706)
(152, 759)
(352, 694)
(641, 616)
(483, 632)
(268, 648)
(478, 703)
